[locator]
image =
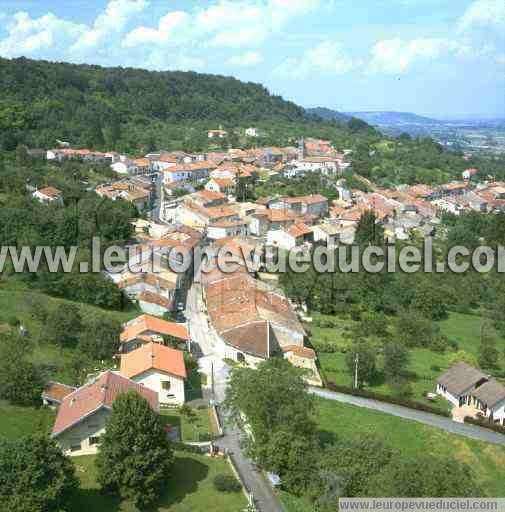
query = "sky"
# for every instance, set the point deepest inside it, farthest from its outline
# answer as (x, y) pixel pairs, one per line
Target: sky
(441, 58)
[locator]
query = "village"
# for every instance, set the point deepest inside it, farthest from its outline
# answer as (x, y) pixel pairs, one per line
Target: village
(196, 200)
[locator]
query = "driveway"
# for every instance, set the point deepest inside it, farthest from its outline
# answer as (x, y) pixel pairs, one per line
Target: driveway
(471, 431)
(252, 478)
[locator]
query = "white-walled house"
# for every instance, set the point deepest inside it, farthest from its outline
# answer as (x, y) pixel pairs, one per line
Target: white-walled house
(252, 132)
(457, 383)
(83, 414)
(225, 229)
(489, 399)
(48, 195)
(158, 368)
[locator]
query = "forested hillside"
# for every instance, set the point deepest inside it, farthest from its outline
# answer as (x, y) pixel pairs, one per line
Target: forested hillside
(93, 106)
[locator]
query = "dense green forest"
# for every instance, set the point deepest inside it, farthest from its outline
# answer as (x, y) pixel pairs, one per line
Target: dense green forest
(91, 105)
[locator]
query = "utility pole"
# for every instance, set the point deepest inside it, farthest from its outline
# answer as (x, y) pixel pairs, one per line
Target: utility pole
(212, 381)
(356, 363)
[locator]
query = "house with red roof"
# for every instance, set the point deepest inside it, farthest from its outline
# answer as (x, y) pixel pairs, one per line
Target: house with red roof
(48, 195)
(83, 414)
(147, 328)
(158, 368)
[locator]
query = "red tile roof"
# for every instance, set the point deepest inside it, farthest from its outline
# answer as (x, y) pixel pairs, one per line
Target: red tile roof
(91, 397)
(56, 391)
(153, 356)
(143, 323)
(50, 192)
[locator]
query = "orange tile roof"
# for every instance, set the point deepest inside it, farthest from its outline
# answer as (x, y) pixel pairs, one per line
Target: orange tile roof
(299, 229)
(153, 356)
(56, 391)
(155, 298)
(143, 323)
(305, 352)
(100, 393)
(49, 191)
(209, 195)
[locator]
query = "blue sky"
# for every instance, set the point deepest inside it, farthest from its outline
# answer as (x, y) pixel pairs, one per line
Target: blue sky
(444, 58)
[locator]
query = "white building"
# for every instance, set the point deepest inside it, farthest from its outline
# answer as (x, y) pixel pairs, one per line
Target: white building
(48, 195)
(83, 414)
(252, 132)
(158, 368)
(457, 384)
(225, 229)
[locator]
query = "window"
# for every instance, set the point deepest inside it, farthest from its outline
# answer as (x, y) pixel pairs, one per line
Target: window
(94, 440)
(75, 446)
(165, 385)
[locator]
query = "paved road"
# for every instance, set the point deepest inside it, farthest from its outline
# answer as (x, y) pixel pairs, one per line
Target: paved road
(471, 431)
(253, 479)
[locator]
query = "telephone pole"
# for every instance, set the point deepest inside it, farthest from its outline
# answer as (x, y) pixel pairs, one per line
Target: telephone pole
(356, 363)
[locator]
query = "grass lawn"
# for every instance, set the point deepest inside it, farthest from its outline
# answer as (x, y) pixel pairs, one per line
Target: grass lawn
(425, 365)
(197, 429)
(19, 421)
(190, 488)
(15, 301)
(336, 419)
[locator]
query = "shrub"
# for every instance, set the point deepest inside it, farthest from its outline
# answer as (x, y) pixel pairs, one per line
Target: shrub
(226, 483)
(396, 400)
(485, 424)
(13, 321)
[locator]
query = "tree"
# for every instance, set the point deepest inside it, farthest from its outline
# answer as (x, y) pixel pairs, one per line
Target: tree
(64, 325)
(396, 360)
(347, 467)
(135, 455)
(35, 476)
(425, 476)
(20, 380)
(465, 357)
(429, 300)
(488, 353)
(363, 356)
(368, 232)
(99, 338)
(414, 330)
(283, 436)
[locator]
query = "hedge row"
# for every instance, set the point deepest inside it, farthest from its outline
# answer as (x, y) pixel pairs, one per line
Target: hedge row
(405, 402)
(485, 424)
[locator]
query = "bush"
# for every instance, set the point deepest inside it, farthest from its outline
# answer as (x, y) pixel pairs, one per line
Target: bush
(411, 404)
(485, 424)
(226, 483)
(13, 321)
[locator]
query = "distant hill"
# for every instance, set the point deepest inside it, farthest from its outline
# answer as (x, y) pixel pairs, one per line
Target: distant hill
(42, 101)
(388, 118)
(328, 114)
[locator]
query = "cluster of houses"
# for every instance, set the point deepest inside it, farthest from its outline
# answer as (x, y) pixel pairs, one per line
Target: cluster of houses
(473, 392)
(148, 365)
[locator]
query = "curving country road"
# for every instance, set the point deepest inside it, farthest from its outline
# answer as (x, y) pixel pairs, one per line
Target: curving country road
(471, 431)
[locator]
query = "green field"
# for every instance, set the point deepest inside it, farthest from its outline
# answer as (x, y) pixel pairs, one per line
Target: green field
(193, 429)
(337, 420)
(425, 365)
(190, 488)
(19, 421)
(15, 302)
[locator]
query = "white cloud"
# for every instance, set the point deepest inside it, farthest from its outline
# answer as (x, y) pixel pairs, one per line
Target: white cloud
(226, 23)
(30, 36)
(397, 56)
(325, 58)
(245, 59)
(483, 13)
(112, 21)
(171, 29)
